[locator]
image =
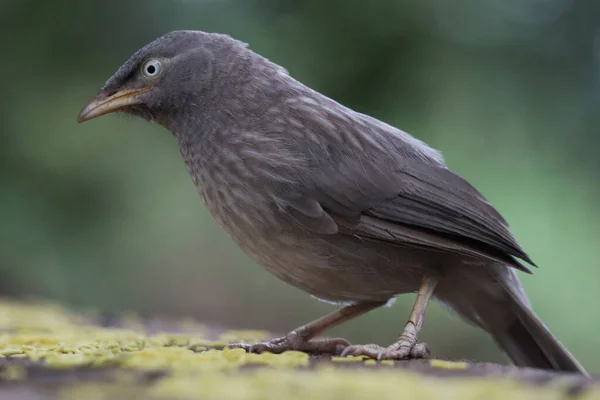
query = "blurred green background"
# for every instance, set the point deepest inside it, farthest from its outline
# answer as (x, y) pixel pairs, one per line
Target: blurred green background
(104, 214)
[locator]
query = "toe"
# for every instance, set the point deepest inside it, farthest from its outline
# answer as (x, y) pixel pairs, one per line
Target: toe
(420, 350)
(244, 346)
(276, 345)
(258, 347)
(273, 346)
(338, 345)
(368, 350)
(333, 346)
(403, 351)
(394, 353)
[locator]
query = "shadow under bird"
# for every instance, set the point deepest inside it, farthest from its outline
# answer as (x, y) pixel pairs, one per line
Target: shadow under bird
(331, 201)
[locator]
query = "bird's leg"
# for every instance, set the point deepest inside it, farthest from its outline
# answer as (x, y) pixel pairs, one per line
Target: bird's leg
(406, 346)
(303, 338)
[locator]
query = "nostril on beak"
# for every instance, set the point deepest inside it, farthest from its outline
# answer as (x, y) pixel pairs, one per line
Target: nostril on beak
(110, 92)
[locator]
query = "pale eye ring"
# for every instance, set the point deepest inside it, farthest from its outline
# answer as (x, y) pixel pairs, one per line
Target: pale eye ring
(152, 68)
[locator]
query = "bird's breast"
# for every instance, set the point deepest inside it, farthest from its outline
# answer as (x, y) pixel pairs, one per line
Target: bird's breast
(241, 185)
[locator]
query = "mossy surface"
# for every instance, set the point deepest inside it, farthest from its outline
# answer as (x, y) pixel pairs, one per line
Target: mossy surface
(58, 354)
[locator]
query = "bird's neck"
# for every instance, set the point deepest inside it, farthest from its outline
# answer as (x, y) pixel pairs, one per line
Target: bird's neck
(226, 141)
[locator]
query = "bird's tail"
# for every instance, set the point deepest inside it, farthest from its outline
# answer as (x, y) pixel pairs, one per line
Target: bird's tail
(500, 307)
(529, 343)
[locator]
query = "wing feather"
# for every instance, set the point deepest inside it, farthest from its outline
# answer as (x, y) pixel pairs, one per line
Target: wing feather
(382, 184)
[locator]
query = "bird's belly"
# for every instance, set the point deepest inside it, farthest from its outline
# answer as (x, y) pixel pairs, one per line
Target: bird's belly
(339, 267)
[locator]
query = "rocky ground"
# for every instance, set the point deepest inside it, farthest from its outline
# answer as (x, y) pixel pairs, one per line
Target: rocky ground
(48, 352)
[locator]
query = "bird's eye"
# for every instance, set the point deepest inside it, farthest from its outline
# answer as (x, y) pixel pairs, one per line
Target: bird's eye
(152, 68)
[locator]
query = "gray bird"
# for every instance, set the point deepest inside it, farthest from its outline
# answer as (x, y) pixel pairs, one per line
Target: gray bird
(331, 201)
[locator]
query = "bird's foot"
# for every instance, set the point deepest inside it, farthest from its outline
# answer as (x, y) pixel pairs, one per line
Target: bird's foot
(401, 350)
(295, 341)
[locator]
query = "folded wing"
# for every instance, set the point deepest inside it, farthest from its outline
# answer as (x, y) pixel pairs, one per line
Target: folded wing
(388, 191)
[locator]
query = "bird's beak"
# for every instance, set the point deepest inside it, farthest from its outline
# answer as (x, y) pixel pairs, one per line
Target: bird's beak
(102, 104)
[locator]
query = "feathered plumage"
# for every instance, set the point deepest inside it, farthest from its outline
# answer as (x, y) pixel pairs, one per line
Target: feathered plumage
(334, 202)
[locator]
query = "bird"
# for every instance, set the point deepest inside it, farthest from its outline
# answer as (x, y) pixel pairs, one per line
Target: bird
(334, 202)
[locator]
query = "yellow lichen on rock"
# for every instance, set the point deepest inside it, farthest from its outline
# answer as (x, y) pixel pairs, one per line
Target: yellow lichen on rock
(326, 383)
(183, 359)
(450, 365)
(189, 365)
(65, 340)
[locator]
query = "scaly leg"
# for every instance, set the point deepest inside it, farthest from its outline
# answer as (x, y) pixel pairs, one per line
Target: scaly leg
(303, 338)
(406, 346)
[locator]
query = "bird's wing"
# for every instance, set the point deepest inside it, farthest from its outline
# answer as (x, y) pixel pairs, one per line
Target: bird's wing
(399, 196)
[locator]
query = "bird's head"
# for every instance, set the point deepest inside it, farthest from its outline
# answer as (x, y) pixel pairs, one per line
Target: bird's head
(169, 74)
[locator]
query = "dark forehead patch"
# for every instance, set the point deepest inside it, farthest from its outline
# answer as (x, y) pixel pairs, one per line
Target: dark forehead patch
(167, 46)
